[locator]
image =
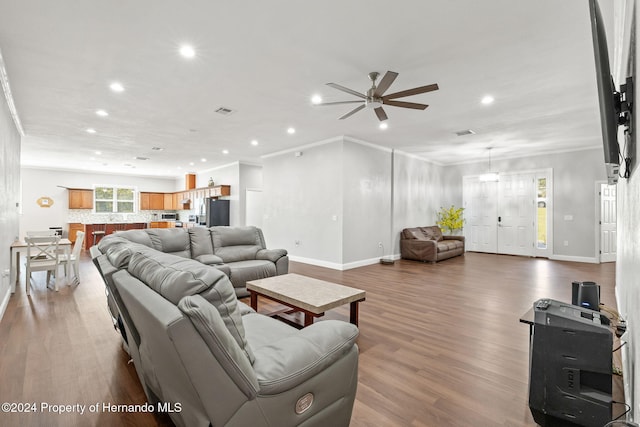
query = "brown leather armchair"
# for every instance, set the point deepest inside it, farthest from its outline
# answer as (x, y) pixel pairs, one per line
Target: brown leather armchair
(428, 244)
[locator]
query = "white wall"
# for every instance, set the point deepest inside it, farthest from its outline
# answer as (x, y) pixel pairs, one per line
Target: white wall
(574, 176)
(9, 195)
(418, 194)
(302, 195)
(38, 183)
(628, 262)
(366, 184)
(250, 178)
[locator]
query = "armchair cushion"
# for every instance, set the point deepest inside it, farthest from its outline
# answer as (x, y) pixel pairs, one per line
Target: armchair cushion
(272, 255)
(432, 233)
(295, 357)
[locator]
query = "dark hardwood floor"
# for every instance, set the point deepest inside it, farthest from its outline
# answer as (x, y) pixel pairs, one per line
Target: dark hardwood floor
(440, 344)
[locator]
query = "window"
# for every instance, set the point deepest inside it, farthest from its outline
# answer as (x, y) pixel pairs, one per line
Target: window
(542, 213)
(114, 199)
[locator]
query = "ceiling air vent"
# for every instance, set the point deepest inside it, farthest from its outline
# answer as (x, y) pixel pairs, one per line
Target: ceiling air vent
(141, 158)
(224, 111)
(465, 132)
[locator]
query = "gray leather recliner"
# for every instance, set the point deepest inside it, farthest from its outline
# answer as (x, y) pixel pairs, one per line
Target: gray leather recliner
(200, 349)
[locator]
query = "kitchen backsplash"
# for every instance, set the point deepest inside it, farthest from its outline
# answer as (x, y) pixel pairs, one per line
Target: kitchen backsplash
(84, 216)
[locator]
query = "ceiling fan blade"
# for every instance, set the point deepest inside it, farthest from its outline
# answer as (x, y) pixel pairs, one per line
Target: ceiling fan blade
(403, 104)
(414, 91)
(346, 89)
(352, 112)
(386, 81)
(382, 116)
(340, 102)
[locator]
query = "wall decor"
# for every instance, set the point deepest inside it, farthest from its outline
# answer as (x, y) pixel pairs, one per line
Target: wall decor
(45, 202)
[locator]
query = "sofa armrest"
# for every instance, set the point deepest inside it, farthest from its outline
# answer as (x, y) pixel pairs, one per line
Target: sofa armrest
(290, 361)
(272, 255)
(209, 259)
(420, 250)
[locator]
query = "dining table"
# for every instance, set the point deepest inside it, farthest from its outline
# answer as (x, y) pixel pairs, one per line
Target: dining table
(20, 246)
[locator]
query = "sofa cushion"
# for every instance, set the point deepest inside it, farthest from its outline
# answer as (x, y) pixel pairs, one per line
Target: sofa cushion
(174, 277)
(236, 243)
(201, 243)
(449, 245)
(244, 271)
(171, 241)
(137, 236)
(432, 233)
(211, 327)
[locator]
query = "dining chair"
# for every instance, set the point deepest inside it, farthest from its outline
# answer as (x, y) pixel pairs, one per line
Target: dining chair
(73, 258)
(42, 255)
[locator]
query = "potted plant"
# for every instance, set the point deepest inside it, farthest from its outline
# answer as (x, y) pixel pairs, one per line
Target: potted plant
(450, 219)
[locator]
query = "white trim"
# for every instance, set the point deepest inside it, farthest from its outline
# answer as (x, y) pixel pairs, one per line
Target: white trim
(5, 300)
(303, 147)
(99, 172)
(368, 144)
(6, 88)
(340, 267)
(589, 260)
(237, 163)
(415, 156)
(545, 153)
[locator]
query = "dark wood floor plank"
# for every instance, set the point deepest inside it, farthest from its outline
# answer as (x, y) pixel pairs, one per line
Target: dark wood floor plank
(440, 344)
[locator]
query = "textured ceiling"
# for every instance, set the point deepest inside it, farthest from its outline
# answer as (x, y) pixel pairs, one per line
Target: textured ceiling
(265, 59)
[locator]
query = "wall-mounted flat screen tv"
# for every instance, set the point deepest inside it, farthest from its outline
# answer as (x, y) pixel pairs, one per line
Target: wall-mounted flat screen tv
(609, 98)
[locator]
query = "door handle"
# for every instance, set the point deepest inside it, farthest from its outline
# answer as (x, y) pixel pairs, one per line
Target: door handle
(499, 219)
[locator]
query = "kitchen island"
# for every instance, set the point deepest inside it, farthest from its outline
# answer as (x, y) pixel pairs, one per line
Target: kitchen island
(108, 228)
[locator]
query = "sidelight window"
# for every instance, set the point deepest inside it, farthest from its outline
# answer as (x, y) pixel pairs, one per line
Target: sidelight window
(542, 213)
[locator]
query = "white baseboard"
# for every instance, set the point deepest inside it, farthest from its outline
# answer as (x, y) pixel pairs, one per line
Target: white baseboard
(5, 302)
(337, 266)
(589, 260)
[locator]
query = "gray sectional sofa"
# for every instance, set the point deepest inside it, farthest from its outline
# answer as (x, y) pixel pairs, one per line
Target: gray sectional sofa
(240, 252)
(196, 347)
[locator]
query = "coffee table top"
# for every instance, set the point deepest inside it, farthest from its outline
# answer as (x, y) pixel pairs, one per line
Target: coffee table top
(316, 296)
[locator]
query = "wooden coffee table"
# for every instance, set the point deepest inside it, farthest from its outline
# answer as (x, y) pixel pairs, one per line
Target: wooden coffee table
(307, 295)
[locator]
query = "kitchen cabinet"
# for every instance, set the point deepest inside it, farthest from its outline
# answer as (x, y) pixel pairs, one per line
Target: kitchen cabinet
(162, 224)
(151, 201)
(168, 203)
(74, 227)
(109, 228)
(80, 198)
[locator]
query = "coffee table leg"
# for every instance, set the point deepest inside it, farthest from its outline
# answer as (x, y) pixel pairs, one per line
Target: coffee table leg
(254, 300)
(308, 319)
(353, 318)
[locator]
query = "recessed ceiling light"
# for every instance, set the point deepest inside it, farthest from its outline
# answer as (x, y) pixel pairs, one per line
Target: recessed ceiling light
(291, 131)
(488, 99)
(316, 99)
(116, 87)
(92, 158)
(383, 125)
(98, 152)
(191, 163)
(102, 113)
(254, 142)
(187, 51)
(203, 160)
(179, 167)
(225, 151)
(91, 130)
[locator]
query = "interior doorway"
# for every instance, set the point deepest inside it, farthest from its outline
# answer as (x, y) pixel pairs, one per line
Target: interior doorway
(607, 222)
(254, 211)
(509, 216)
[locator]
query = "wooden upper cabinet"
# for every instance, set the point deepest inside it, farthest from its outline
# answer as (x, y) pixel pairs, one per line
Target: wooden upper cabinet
(151, 201)
(169, 201)
(80, 199)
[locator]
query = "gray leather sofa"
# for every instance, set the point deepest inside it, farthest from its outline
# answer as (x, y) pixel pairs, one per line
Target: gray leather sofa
(196, 346)
(240, 252)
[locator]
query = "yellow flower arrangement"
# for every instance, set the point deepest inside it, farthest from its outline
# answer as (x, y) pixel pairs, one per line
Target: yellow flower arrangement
(450, 219)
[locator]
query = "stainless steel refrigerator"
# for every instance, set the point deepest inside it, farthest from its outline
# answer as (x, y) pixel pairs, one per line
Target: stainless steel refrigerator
(216, 212)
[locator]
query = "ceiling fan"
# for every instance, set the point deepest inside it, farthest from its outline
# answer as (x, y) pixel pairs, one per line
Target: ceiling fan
(375, 98)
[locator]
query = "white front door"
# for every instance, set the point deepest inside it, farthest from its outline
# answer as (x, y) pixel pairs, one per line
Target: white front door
(516, 214)
(607, 223)
(480, 213)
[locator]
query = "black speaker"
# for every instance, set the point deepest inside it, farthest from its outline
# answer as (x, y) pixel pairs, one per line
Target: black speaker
(586, 295)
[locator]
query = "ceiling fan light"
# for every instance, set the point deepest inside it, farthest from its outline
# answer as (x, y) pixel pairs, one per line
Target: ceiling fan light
(383, 125)
(316, 99)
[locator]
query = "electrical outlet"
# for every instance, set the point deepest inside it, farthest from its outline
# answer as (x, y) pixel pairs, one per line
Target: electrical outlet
(380, 244)
(297, 242)
(566, 243)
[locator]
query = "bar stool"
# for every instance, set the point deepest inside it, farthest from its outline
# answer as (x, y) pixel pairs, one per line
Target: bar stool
(98, 230)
